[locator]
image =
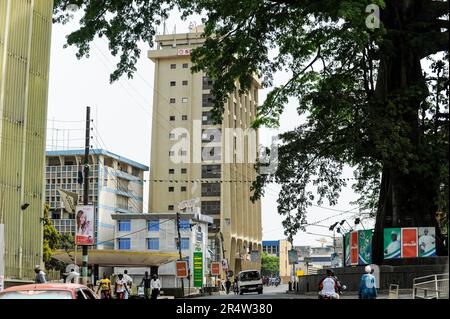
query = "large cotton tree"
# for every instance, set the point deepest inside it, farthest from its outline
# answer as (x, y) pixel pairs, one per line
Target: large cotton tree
(371, 98)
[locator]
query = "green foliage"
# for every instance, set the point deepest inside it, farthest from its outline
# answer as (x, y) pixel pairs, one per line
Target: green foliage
(51, 236)
(363, 92)
(269, 264)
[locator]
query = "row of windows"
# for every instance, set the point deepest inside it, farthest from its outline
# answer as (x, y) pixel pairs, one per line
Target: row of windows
(184, 66)
(152, 225)
(174, 83)
(211, 171)
(210, 189)
(173, 100)
(172, 189)
(151, 243)
(173, 118)
(172, 171)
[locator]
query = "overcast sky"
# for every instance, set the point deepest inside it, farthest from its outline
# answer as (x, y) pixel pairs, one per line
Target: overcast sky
(122, 114)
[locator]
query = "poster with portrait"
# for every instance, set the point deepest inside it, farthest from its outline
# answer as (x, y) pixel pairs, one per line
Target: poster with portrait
(427, 241)
(392, 243)
(365, 246)
(84, 234)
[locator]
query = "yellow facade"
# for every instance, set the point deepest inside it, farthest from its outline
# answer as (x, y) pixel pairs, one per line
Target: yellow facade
(179, 108)
(25, 35)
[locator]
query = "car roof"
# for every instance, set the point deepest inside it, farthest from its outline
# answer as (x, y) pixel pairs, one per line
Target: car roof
(48, 286)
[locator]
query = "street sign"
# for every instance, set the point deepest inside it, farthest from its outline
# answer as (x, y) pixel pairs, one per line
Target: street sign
(84, 225)
(300, 273)
(181, 267)
(215, 268)
(293, 257)
(198, 269)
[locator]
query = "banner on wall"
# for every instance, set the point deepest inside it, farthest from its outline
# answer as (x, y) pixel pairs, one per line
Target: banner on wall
(409, 243)
(354, 251)
(365, 247)
(427, 241)
(198, 269)
(347, 249)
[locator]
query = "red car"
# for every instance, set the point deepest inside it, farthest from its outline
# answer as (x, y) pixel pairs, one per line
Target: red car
(48, 291)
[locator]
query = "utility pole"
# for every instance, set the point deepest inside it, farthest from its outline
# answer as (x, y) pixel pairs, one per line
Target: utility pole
(84, 271)
(179, 250)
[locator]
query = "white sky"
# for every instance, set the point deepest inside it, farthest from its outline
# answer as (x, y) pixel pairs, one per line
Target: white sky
(122, 114)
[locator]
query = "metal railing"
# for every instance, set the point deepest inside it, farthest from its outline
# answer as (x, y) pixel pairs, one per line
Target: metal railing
(431, 287)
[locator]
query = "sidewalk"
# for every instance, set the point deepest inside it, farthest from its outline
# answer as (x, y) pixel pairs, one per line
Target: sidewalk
(383, 294)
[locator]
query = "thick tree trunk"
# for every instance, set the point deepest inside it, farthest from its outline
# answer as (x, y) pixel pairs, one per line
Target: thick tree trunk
(407, 196)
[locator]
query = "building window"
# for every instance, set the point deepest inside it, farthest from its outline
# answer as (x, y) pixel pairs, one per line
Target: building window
(153, 225)
(172, 100)
(183, 153)
(171, 136)
(183, 188)
(171, 189)
(210, 207)
(211, 171)
(124, 243)
(170, 207)
(185, 225)
(171, 171)
(124, 225)
(207, 83)
(184, 171)
(173, 66)
(185, 82)
(210, 189)
(173, 83)
(185, 65)
(184, 100)
(211, 153)
(172, 118)
(153, 243)
(184, 117)
(171, 153)
(207, 100)
(207, 118)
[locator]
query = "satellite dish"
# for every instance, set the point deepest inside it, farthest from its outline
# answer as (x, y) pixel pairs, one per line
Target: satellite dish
(72, 266)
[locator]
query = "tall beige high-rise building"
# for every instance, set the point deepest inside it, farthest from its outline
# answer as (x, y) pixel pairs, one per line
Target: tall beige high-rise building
(193, 158)
(25, 35)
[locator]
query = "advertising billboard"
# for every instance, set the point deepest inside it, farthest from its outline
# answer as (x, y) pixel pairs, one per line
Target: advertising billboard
(409, 243)
(292, 256)
(347, 249)
(215, 268)
(365, 247)
(427, 241)
(354, 249)
(84, 225)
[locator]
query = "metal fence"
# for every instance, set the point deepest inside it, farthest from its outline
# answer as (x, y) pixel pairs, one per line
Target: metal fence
(431, 287)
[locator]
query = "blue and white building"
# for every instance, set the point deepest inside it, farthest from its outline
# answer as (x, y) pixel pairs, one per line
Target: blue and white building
(115, 186)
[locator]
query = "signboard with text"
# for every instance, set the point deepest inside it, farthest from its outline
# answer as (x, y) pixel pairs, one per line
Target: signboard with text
(354, 251)
(184, 51)
(427, 241)
(198, 269)
(182, 269)
(215, 268)
(365, 247)
(293, 257)
(358, 248)
(409, 242)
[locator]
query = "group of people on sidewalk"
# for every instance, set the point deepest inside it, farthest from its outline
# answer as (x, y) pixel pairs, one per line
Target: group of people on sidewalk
(123, 284)
(331, 288)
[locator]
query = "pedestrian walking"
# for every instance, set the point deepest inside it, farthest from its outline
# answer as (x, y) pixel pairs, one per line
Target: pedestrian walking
(40, 275)
(228, 285)
(146, 281)
(367, 286)
(129, 282)
(155, 284)
(104, 286)
(120, 287)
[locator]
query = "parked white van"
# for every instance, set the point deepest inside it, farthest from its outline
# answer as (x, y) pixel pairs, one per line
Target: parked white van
(250, 281)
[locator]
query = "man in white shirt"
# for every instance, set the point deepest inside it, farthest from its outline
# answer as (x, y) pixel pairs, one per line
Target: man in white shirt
(155, 286)
(393, 250)
(328, 286)
(426, 242)
(129, 282)
(73, 277)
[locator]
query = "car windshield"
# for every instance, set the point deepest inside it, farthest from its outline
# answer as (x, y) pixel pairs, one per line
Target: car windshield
(37, 294)
(250, 275)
